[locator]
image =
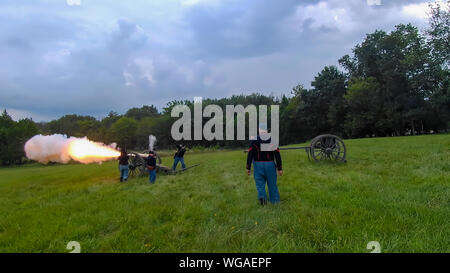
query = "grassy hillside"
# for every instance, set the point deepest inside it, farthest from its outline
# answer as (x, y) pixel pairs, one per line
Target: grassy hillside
(392, 190)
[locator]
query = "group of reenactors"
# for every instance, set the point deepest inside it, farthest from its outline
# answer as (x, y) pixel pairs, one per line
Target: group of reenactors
(150, 163)
(266, 164)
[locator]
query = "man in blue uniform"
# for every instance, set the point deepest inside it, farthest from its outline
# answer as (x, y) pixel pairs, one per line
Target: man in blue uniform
(151, 167)
(123, 165)
(265, 164)
(179, 157)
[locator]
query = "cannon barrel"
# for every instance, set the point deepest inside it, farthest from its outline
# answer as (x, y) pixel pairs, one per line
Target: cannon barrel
(140, 154)
(288, 148)
(137, 165)
(294, 148)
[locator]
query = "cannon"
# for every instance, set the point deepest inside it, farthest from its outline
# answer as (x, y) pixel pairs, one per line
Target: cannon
(324, 147)
(137, 165)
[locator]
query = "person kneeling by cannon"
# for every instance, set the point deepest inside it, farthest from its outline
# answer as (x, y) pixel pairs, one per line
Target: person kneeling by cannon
(151, 167)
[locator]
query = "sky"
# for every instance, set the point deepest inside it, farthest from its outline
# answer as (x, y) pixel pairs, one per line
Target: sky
(90, 57)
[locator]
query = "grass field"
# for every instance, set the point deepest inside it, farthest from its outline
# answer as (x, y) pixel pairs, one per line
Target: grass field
(392, 190)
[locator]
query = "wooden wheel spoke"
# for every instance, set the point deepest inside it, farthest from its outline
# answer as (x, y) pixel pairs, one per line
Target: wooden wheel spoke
(327, 147)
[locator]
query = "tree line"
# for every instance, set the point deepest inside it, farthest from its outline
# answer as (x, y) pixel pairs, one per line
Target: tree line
(392, 84)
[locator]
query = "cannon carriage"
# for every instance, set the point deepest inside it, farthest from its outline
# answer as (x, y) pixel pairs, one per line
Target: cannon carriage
(324, 148)
(138, 167)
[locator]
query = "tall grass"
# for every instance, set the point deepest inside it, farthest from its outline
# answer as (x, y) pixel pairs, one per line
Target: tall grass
(392, 190)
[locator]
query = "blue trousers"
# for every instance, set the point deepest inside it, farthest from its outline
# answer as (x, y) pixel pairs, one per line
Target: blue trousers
(175, 162)
(266, 173)
(123, 169)
(152, 176)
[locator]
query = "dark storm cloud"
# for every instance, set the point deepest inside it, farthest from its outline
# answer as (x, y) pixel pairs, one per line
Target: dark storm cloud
(101, 56)
(240, 28)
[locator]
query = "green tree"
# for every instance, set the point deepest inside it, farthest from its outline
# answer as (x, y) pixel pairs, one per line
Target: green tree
(13, 136)
(110, 119)
(402, 65)
(89, 128)
(318, 110)
(68, 125)
(365, 107)
(439, 30)
(124, 132)
(6, 124)
(329, 86)
(439, 39)
(146, 126)
(143, 112)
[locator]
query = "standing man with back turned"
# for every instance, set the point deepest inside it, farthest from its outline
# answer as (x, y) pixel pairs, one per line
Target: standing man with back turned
(265, 165)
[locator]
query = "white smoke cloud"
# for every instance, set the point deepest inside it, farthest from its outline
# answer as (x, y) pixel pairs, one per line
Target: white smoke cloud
(73, 2)
(151, 142)
(46, 149)
(61, 149)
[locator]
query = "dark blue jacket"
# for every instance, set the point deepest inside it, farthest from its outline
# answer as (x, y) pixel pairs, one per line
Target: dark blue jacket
(151, 161)
(180, 152)
(255, 154)
(123, 159)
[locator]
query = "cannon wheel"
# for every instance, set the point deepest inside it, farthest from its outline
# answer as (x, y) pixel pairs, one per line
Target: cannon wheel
(136, 165)
(327, 147)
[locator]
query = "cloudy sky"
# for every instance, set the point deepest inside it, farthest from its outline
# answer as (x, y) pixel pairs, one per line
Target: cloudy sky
(92, 56)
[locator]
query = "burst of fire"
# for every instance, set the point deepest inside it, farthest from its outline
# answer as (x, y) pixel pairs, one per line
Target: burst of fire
(60, 148)
(85, 150)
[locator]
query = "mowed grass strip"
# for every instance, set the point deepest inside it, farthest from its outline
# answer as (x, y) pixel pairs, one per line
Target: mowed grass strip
(392, 190)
